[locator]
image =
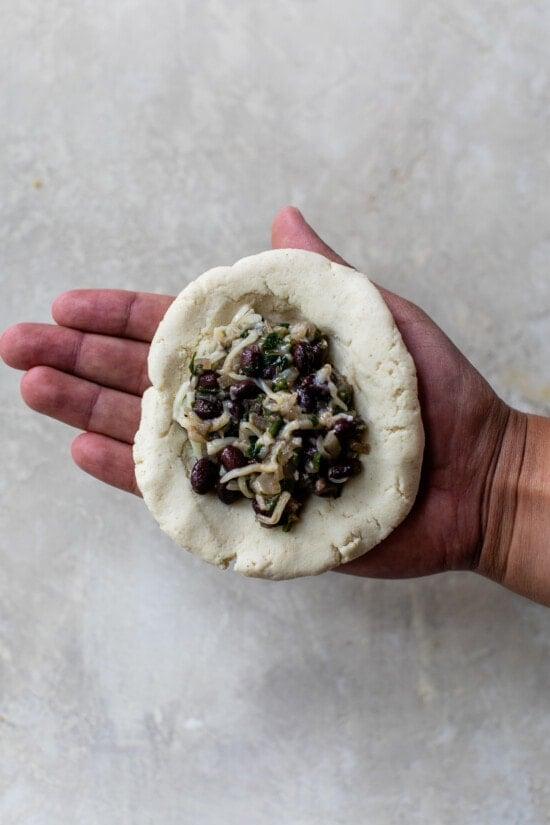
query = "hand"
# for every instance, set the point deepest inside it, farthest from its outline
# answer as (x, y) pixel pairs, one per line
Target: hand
(91, 369)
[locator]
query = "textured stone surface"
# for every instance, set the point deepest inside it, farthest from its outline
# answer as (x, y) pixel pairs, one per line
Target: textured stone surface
(142, 142)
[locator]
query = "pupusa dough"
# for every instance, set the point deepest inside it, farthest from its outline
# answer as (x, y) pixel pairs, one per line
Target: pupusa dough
(365, 346)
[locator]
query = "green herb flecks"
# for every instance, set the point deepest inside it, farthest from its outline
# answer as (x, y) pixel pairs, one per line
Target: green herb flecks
(275, 426)
(274, 359)
(316, 462)
(271, 342)
(254, 450)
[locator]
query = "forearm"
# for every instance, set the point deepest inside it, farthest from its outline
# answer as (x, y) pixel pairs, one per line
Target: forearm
(516, 549)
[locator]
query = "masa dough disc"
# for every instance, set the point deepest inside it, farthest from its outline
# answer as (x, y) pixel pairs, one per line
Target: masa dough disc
(365, 346)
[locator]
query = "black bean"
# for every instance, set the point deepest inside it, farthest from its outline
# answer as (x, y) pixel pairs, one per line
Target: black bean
(235, 410)
(203, 476)
(318, 355)
(208, 407)
(345, 429)
(227, 496)
(251, 361)
(244, 389)
(307, 399)
(232, 458)
(325, 489)
(311, 395)
(269, 371)
(208, 381)
(304, 357)
(307, 382)
(341, 470)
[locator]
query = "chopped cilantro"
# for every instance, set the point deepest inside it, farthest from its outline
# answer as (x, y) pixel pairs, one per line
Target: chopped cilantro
(316, 462)
(280, 384)
(314, 420)
(275, 426)
(192, 368)
(254, 449)
(271, 342)
(273, 359)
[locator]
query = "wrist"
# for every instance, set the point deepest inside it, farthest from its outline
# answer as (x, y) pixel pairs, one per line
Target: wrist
(516, 511)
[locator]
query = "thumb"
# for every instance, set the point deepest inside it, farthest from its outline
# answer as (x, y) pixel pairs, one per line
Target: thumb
(290, 230)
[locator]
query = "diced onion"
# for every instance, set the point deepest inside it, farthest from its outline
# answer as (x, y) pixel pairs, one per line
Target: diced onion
(329, 446)
(243, 487)
(266, 484)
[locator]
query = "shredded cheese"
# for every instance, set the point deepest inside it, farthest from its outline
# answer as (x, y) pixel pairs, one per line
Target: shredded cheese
(275, 517)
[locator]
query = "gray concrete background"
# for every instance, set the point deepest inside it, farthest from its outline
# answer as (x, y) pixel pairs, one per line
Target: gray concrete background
(141, 142)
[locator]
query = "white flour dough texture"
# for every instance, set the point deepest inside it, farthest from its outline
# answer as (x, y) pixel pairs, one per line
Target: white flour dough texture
(365, 346)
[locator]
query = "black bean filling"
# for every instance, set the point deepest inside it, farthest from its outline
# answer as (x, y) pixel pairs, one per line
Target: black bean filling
(272, 420)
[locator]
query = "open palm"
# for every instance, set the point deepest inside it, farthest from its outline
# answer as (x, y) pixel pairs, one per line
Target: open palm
(90, 370)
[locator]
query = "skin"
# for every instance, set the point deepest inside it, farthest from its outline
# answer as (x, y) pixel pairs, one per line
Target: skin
(89, 370)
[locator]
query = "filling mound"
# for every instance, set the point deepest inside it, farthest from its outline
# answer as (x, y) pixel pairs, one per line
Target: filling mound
(268, 417)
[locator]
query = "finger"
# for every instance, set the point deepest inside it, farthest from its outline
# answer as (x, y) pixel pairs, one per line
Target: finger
(81, 404)
(106, 459)
(290, 230)
(113, 362)
(111, 312)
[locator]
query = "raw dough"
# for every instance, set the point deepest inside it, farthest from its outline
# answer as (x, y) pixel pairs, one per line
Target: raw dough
(366, 347)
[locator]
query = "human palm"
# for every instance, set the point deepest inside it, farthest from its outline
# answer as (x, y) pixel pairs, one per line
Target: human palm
(90, 370)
